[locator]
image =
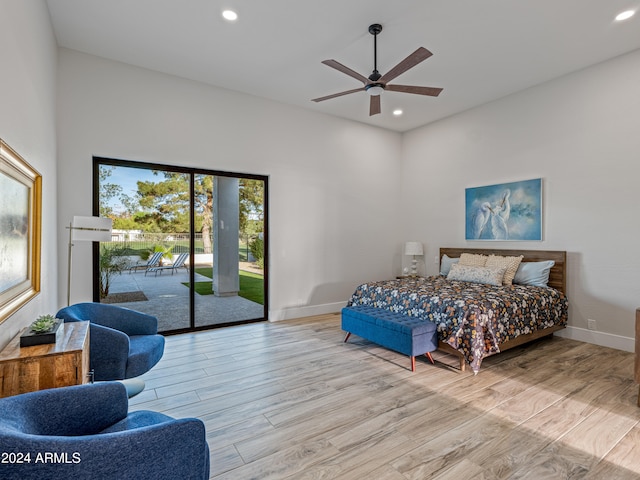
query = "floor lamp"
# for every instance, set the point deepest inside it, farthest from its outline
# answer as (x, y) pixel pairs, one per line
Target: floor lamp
(86, 229)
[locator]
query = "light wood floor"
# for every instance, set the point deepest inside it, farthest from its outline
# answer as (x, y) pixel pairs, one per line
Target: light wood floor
(290, 400)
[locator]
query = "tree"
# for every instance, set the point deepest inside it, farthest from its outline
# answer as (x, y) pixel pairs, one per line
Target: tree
(107, 190)
(257, 250)
(252, 216)
(163, 206)
(130, 204)
(125, 223)
(203, 194)
(251, 202)
(166, 205)
(112, 262)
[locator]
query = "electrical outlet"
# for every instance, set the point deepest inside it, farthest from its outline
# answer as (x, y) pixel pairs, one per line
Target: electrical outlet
(436, 260)
(591, 324)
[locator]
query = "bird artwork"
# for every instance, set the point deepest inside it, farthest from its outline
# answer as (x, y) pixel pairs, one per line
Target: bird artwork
(490, 222)
(507, 211)
(480, 219)
(499, 217)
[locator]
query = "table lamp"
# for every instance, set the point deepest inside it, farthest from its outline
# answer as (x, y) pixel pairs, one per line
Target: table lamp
(414, 249)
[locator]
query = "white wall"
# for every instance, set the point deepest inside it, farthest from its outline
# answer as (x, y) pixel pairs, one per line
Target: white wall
(27, 123)
(580, 134)
(334, 186)
(337, 187)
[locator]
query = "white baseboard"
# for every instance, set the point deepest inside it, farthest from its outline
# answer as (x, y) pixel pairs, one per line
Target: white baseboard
(306, 311)
(574, 333)
(598, 338)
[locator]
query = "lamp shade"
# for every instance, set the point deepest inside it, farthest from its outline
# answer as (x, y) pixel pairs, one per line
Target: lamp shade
(413, 248)
(91, 229)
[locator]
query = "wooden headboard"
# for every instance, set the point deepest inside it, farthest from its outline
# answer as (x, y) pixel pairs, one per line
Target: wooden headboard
(557, 277)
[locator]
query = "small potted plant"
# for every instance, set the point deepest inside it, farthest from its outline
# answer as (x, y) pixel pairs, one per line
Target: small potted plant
(41, 331)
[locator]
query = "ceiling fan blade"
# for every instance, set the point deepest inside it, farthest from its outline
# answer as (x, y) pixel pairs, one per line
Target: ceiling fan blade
(431, 91)
(374, 105)
(420, 55)
(341, 68)
(328, 97)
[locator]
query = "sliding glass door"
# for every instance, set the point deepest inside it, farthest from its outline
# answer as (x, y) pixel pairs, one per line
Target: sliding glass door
(188, 245)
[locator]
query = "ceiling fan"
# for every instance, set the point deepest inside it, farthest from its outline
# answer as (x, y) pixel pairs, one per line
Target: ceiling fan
(375, 84)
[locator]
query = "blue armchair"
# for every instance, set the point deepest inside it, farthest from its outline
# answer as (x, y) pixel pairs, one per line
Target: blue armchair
(123, 343)
(84, 432)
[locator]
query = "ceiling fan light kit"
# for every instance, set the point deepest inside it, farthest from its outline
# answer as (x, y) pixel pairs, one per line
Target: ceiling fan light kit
(374, 89)
(376, 84)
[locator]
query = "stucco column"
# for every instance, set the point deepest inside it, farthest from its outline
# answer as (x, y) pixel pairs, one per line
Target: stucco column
(226, 213)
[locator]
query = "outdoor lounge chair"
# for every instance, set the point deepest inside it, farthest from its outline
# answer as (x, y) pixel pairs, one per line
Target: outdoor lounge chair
(154, 260)
(180, 262)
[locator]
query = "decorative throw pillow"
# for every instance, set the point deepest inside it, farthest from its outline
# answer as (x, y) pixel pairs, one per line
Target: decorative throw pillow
(469, 273)
(445, 264)
(534, 273)
(509, 263)
(473, 259)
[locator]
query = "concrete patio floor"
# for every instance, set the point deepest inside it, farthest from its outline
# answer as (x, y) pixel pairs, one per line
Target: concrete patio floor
(168, 300)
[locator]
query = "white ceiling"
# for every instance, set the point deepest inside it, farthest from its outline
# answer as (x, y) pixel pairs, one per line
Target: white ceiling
(483, 49)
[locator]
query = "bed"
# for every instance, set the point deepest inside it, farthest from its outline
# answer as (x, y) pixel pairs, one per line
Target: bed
(475, 320)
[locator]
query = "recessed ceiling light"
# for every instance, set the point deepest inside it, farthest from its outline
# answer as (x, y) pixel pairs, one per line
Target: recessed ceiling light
(230, 15)
(625, 15)
(397, 112)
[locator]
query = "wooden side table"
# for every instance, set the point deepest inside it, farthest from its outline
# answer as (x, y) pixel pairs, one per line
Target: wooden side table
(52, 365)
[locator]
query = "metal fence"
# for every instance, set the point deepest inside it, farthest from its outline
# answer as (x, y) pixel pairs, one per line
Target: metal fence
(136, 240)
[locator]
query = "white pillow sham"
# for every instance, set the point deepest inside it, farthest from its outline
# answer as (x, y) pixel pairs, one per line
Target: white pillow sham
(470, 273)
(534, 273)
(510, 263)
(445, 264)
(473, 259)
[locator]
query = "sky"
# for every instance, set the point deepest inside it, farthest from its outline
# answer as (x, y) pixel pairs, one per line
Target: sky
(127, 178)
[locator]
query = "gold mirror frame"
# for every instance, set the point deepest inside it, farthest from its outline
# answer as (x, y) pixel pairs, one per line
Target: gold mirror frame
(20, 227)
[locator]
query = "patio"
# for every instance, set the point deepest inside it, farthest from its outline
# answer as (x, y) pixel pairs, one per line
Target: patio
(168, 299)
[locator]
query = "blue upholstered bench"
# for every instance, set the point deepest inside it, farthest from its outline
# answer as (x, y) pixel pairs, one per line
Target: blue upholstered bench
(409, 335)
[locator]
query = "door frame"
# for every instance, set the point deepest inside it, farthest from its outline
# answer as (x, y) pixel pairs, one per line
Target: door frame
(191, 171)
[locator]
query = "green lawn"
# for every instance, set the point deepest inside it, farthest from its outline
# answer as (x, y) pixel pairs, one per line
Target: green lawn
(251, 285)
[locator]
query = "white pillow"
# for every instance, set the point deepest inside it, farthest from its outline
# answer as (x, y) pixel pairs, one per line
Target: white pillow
(473, 259)
(469, 273)
(534, 273)
(445, 264)
(510, 263)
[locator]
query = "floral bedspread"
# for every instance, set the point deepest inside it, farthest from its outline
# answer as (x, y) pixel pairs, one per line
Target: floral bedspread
(473, 318)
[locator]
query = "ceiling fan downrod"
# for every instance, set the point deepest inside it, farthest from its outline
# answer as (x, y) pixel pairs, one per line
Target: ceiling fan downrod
(374, 30)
